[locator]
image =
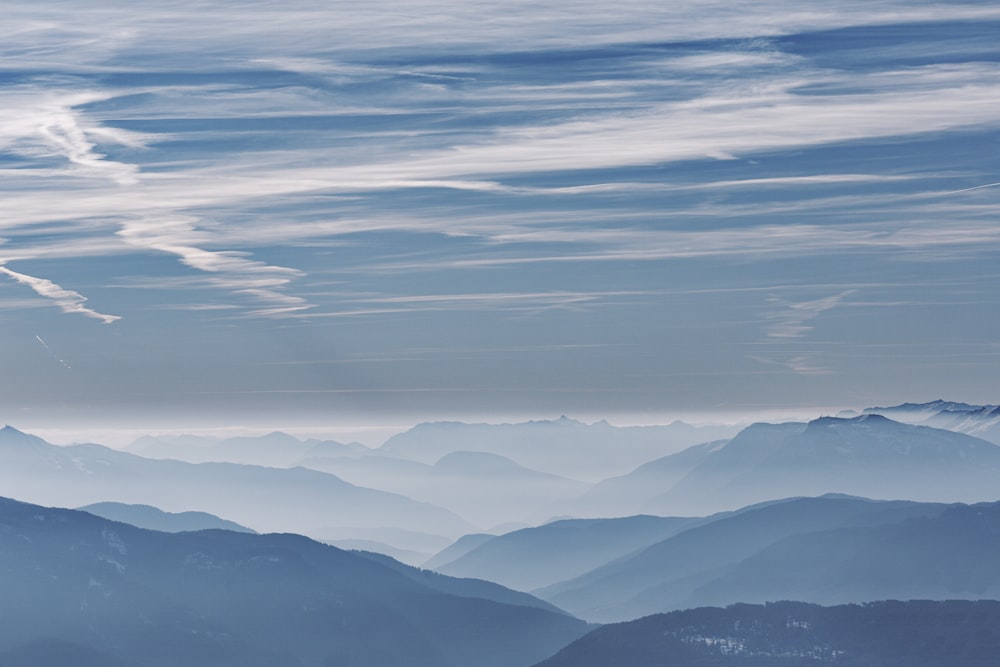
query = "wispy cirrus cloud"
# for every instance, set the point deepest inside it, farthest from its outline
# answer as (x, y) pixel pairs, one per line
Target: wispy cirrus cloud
(186, 30)
(49, 126)
(44, 124)
(729, 120)
(67, 300)
(793, 320)
(791, 323)
(634, 176)
(800, 364)
(771, 119)
(260, 281)
(529, 303)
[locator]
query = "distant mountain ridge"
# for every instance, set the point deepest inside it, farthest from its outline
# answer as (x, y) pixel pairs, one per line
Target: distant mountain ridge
(627, 494)
(981, 421)
(869, 455)
(275, 450)
(563, 446)
(266, 499)
(401, 500)
(476, 470)
(484, 488)
(927, 409)
(153, 518)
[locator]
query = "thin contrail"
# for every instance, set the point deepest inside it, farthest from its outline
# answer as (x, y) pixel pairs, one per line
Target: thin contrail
(975, 187)
(63, 363)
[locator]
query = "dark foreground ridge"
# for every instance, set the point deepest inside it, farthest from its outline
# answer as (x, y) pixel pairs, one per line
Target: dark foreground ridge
(82, 590)
(921, 633)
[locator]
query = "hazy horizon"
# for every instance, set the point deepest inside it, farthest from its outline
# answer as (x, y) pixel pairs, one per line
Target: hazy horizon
(372, 434)
(119, 433)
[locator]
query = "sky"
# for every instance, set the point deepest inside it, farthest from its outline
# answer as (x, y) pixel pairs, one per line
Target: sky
(318, 213)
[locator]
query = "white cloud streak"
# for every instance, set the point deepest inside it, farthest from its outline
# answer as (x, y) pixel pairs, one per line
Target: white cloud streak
(47, 124)
(67, 300)
(257, 280)
(515, 302)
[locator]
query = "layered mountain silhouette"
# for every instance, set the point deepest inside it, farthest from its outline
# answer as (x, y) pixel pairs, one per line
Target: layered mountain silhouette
(827, 550)
(629, 494)
(88, 591)
(531, 558)
(147, 516)
(275, 450)
(981, 421)
(589, 452)
(410, 546)
(920, 412)
(457, 549)
(484, 488)
(916, 633)
(462, 587)
(774, 512)
(869, 455)
(265, 499)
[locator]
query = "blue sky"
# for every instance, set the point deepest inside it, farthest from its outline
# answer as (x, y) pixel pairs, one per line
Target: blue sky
(315, 212)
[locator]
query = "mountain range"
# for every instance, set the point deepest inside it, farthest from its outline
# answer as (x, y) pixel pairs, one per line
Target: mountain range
(274, 450)
(532, 558)
(982, 421)
(869, 455)
(918, 633)
(417, 506)
(807, 511)
(80, 589)
(565, 447)
(495, 474)
(484, 488)
(153, 518)
(265, 499)
(628, 494)
(827, 550)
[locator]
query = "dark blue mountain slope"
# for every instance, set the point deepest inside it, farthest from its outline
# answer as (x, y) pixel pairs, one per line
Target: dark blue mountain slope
(85, 586)
(675, 573)
(917, 633)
